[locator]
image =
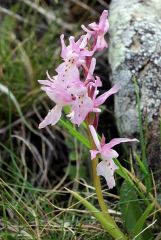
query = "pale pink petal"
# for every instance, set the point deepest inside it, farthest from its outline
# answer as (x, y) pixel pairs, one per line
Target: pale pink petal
(49, 77)
(80, 108)
(71, 115)
(103, 21)
(45, 82)
(47, 89)
(75, 48)
(86, 53)
(64, 48)
(60, 96)
(91, 69)
(101, 99)
(67, 73)
(93, 153)
(106, 170)
(108, 154)
(92, 66)
(103, 140)
(95, 137)
(101, 43)
(93, 26)
(80, 40)
(60, 67)
(98, 82)
(96, 110)
(84, 41)
(86, 29)
(117, 141)
(52, 117)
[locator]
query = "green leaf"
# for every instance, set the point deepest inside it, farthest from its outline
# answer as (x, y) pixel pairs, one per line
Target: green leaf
(147, 178)
(75, 133)
(129, 206)
(122, 172)
(141, 221)
(141, 165)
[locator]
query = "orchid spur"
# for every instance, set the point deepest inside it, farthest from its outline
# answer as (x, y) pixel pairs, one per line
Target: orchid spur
(106, 167)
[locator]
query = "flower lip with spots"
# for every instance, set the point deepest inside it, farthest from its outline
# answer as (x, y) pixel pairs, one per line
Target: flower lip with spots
(106, 167)
(81, 106)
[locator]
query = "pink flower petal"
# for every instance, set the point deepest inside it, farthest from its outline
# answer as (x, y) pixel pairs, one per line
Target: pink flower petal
(84, 41)
(67, 73)
(108, 154)
(101, 43)
(45, 82)
(80, 108)
(103, 140)
(98, 82)
(117, 141)
(90, 70)
(94, 26)
(86, 29)
(52, 117)
(106, 169)
(64, 48)
(96, 110)
(93, 153)
(95, 137)
(101, 99)
(103, 23)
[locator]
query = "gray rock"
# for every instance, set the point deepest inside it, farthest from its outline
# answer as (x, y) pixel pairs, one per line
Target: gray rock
(135, 52)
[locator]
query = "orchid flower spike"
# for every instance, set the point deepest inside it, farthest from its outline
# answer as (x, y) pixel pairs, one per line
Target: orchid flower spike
(67, 88)
(106, 167)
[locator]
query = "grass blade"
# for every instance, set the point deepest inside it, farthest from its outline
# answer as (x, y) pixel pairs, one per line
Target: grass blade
(75, 133)
(141, 221)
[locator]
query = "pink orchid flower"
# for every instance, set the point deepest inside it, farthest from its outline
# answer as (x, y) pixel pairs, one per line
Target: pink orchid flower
(84, 103)
(106, 167)
(60, 91)
(93, 83)
(75, 51)
(98, 31)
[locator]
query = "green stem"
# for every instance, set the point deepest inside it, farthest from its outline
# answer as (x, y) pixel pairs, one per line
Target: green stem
(116, 232)
(97, 185)
(109, 227)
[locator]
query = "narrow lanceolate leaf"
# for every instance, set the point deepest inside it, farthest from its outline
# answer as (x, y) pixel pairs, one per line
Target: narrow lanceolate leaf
(147, 179)
(129, 206)
(122, 172)
(75, 133)
(141, 165)
(141, 221)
